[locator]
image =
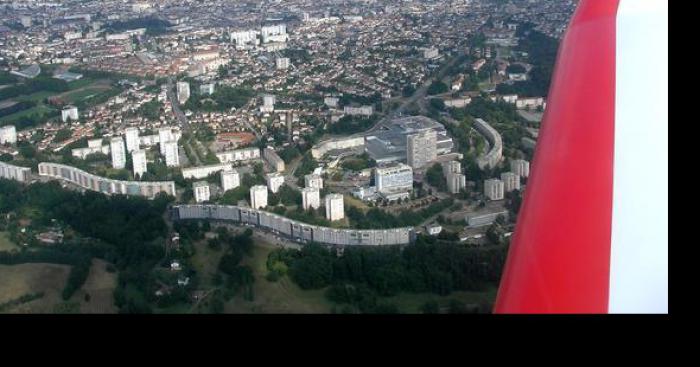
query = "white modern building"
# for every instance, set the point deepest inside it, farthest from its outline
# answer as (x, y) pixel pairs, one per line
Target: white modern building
(421, 148)
(431, 53)
(274, 182)
(69, 113)
(165, 134)
(138, 158)
(10, 172)
(456, 181)
(183, 92)
(361, 111)
(230, 180)
(268, 103)
(314, 181)
(8, 134)
(172, 158)
(494, 189)
(273, 159)
(132, 139)
(282, 63)
(239, 155)
(394, 179)
(116, 147)
(258, 196)
(511, 181)
(310, 198)
(520, 167)
(334, 207)
(200, 172)
(201, 191)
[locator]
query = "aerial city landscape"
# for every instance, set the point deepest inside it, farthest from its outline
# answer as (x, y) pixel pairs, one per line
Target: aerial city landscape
(288, 156)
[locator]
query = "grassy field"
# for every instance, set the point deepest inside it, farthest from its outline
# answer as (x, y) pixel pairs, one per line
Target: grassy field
(100, 286)
(19, 280)
(282, 296)
(5, 243)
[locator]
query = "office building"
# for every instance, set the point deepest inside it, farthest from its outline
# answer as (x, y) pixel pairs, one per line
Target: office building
(494, 189)
(183, 92)
(334, 207)
(310, 198)
(230, 179)
(520, 167)
(201, 191)
(172, 158)
(421, 148)
(394, 179)
(258, 196)
(69, 113)
(511, 181)
(274, 182)
(312, 180)
(138, 158)
(116, 147)
(8, 134)
(132, 139)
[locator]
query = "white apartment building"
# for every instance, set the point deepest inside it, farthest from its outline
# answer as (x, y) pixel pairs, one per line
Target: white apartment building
(132, 139)
(310, 198)
(274, 182)
(520, 167)
(239, 155)
(282, 63)
(511, 181)
(334, 207)
(421, 148)
(201, 191)
(230, 180)
(138, 158)
(183, 92)
(69, 113)
(494, 189)
(268, 103)
(8, 134)
(258, 196)
(206, 89)
(395, 178)
(362, 111)
(116, 147)
(273, 159)
(172, 158)
(165, 134)
(314, 181)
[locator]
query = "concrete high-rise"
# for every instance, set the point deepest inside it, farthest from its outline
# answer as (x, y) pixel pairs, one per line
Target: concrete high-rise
(258, 196)
(8, 134)
(393, 178)
(421, 148)
(511, 181)
(69, 113)
(230, 179)
(172, 158)
(312, 180)
(493, 189)
(183, 92)
(165, 134)
(138, 159)
(118, 151)
(310, 198)
(520, 167)
(334, 207)
(201, 191)
(132, 139)
(274, 182)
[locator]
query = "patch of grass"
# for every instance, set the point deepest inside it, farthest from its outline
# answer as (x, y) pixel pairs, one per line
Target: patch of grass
(22, 279)
(5, 243)
(413, 302)
(282, 296)
(99, 288)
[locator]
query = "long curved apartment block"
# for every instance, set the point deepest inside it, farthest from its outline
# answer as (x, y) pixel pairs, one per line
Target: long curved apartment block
(296, 230)
(105, 185)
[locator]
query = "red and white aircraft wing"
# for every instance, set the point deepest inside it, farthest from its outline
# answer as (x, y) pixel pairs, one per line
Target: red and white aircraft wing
(592, 234)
